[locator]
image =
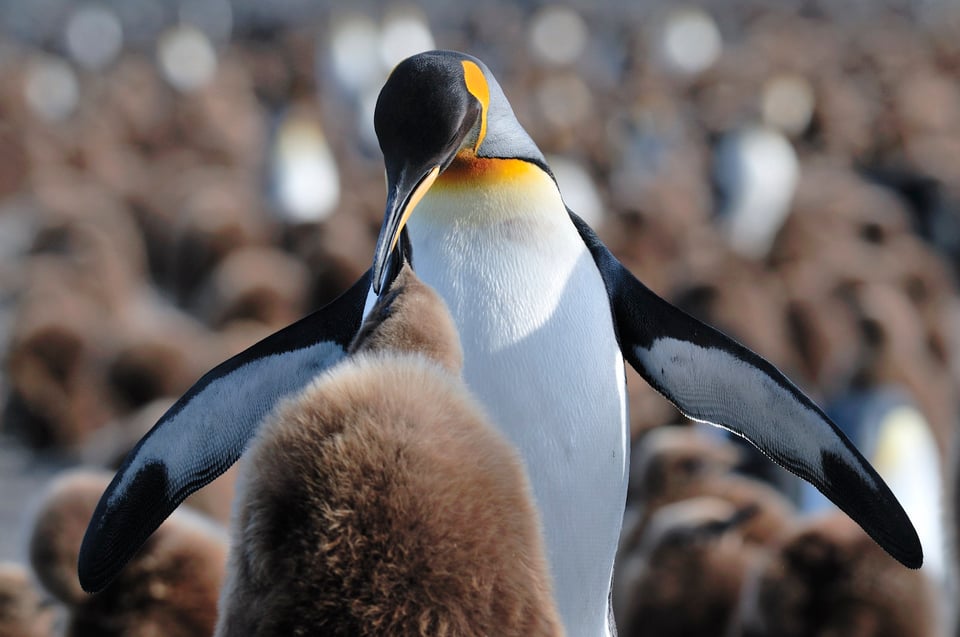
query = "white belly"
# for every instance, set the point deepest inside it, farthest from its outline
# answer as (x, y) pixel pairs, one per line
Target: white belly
(540, 353)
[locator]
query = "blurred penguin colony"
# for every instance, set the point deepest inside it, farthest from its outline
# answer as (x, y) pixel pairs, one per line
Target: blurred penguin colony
(178, 180)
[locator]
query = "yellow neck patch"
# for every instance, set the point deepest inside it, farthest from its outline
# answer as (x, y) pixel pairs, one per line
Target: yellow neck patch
(469, 171)
(478, 87)
(487, 192)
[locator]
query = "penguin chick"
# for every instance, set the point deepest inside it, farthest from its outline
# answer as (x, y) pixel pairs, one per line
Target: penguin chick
(774, 515)
(255, 283)
(686, 577)
(829, 579)
(380, 501)
(57, 394)
(673, 464)
(668, 458)
(411, 318)
(23, 612)
(170, 588)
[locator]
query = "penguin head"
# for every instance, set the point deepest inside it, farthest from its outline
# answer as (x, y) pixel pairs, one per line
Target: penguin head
(411, 317)
(435, 108)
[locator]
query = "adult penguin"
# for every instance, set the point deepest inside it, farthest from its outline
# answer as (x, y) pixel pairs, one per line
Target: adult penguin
(546, 315)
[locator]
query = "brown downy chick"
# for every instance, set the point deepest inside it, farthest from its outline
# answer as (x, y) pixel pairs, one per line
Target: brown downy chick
(381, 502)
(170, 587)
(23, 612)
(410, 318)
(830, 579)
(670, 458)
(685, 578)
(676, 463)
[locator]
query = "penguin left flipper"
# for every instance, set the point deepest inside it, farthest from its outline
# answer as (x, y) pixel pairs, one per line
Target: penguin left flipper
(207, 430)
(711, 378)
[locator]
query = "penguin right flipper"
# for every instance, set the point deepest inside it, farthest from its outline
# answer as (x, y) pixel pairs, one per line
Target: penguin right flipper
(207, 430)
(711, 378)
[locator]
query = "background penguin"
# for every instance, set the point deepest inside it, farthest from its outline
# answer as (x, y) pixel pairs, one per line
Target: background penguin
(23, 612)
(678, 463)
(829, 579)
(380, 501)
(691, 587)
(669, 458)
(691, 565)
(170, 588)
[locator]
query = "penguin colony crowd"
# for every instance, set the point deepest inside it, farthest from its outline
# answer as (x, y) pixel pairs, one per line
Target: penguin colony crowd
(138, 250)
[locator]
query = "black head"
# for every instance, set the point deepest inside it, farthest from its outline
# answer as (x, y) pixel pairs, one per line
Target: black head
(434, 107)
(426, 110)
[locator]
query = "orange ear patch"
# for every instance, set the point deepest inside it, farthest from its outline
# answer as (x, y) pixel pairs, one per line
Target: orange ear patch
(470, 171)
(478, 87)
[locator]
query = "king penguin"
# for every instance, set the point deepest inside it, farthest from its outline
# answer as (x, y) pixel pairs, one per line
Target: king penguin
(546, 316)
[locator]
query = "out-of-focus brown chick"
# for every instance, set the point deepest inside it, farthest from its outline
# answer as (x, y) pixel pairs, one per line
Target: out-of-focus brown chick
(685, 578)
(830, 579)
(675, 463)
(170, 588)
(23, 612)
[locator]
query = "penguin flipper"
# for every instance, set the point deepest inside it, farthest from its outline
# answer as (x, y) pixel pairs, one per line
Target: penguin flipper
(207, 430)
(711, 378)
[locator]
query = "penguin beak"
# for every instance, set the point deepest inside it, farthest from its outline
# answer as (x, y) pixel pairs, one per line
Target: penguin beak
(404, 192)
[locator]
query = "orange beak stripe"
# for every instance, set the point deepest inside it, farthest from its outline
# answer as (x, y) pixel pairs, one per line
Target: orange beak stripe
(478, 87)
(415, 198)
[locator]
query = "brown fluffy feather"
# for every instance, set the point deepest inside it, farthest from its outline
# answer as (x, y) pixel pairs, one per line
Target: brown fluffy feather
(685, 578)
(381, 502)
(170, 587)
(830, 579)
(411, 318)
(22, 611)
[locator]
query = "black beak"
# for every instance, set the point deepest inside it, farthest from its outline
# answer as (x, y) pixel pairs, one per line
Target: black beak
(404, 192)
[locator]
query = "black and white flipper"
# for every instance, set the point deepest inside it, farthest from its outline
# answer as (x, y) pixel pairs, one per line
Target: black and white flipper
(207, 430)
(711, 378)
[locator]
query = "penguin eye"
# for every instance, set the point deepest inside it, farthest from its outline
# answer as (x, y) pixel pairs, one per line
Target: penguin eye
(690, 466)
